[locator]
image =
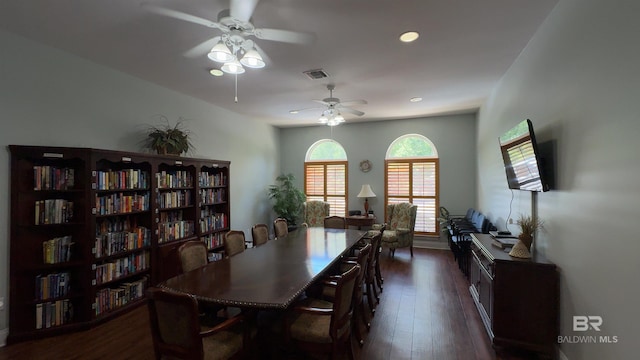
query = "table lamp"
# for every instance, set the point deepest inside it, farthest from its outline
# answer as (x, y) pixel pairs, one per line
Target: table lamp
(366, 193)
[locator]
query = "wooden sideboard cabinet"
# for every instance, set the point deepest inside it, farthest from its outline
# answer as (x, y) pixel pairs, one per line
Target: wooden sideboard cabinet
(518, 299)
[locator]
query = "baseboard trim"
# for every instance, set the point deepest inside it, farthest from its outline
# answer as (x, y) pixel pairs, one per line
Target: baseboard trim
(3, 337)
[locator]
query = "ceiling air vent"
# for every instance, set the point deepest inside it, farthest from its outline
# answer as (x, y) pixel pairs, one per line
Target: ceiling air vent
(316, 74)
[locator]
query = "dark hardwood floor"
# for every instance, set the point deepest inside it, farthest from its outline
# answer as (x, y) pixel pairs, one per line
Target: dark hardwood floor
(425, 312)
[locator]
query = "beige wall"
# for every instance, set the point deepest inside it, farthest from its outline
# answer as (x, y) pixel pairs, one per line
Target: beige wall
(578, 82)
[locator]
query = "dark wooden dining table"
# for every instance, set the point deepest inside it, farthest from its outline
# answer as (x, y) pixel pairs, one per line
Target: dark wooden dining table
(269, 276)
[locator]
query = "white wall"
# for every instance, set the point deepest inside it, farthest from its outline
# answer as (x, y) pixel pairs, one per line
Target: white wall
(578, 81)
(453, 137)
(50, 98)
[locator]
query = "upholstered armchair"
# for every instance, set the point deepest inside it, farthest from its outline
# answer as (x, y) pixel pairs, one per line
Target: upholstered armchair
(400, 221)
(314, 212)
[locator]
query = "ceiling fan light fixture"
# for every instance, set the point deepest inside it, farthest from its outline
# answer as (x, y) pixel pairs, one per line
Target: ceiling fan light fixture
(252, 59)
(221, 53)
(409, 36)
(233, 67)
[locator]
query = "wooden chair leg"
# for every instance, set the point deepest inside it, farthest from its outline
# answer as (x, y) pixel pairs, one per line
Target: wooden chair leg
(375, 294)
(356, 326)
(372, 306)
(411, 248)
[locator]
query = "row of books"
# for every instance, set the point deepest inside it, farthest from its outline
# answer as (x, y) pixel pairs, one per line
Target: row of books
(113, 243)
(171, 216)
(57, 250)
(53, 211)
(173, 199)
(53, 178)
(116, 224)
(110, 299)
(215, 256)
(175, 230)
(121, 203)
(213, 240)
(52, 285)
(213, 222)
(174, 179)
(207, 179)
(53, 314)
(127, 179)
(122, 267)
(210, 196)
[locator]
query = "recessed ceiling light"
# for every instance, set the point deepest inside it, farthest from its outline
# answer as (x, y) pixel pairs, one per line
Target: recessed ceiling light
(216, 72)
(409, 36)
(293, 111)
(415, 99)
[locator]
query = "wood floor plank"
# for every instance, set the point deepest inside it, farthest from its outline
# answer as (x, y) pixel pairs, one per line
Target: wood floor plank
(425, 312)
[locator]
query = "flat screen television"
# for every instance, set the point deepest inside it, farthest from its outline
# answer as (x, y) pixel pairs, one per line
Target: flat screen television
(522, 161)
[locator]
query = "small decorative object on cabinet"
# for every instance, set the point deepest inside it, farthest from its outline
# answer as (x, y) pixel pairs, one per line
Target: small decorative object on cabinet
(92, 229)
(518, 299)
(528, 226)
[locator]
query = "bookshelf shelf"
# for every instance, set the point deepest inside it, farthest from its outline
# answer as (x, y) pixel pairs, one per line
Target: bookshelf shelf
(87, 212)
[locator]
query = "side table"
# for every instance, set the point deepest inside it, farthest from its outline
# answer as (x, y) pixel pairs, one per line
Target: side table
(360, 220)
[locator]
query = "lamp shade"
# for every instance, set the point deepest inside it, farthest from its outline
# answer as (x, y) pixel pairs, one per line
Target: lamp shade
(233, 67)
(221, 53)
(252, 59)
(366, 192)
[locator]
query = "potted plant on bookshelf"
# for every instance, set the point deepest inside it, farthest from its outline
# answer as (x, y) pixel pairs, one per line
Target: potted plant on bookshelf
(168, 139)
(287, 199)
(528, 226)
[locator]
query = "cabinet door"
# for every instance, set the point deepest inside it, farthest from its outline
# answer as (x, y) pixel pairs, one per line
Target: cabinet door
(482, 289)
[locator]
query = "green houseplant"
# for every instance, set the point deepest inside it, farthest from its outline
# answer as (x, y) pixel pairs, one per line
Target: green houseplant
(168, 139)
(287, 198)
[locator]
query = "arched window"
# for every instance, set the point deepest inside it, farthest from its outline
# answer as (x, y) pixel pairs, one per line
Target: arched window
(411, 175)
(325, 175)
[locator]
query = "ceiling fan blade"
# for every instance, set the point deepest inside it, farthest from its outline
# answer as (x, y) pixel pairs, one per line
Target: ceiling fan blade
(321, 102)
(354, 102)
(350, 110)
(182, 16)
(242, 9)
(202, 48)
(285, 36)
(305, 109)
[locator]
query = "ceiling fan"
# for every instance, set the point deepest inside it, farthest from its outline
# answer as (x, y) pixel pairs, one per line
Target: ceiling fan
(233, 47)
(331, 114)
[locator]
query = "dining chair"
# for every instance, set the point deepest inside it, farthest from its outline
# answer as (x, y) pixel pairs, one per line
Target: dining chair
(361, 258)
(316, 325)
(234, 242)
(192, 254)
(260, 234)
(176, 331)
(370, 280)
(280, 227)
(335, 222)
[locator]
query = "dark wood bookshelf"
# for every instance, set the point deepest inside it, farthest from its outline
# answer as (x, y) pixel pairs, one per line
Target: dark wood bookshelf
(84, 181)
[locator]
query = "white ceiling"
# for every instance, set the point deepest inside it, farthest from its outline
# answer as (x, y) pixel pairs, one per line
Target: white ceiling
(465, 46)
